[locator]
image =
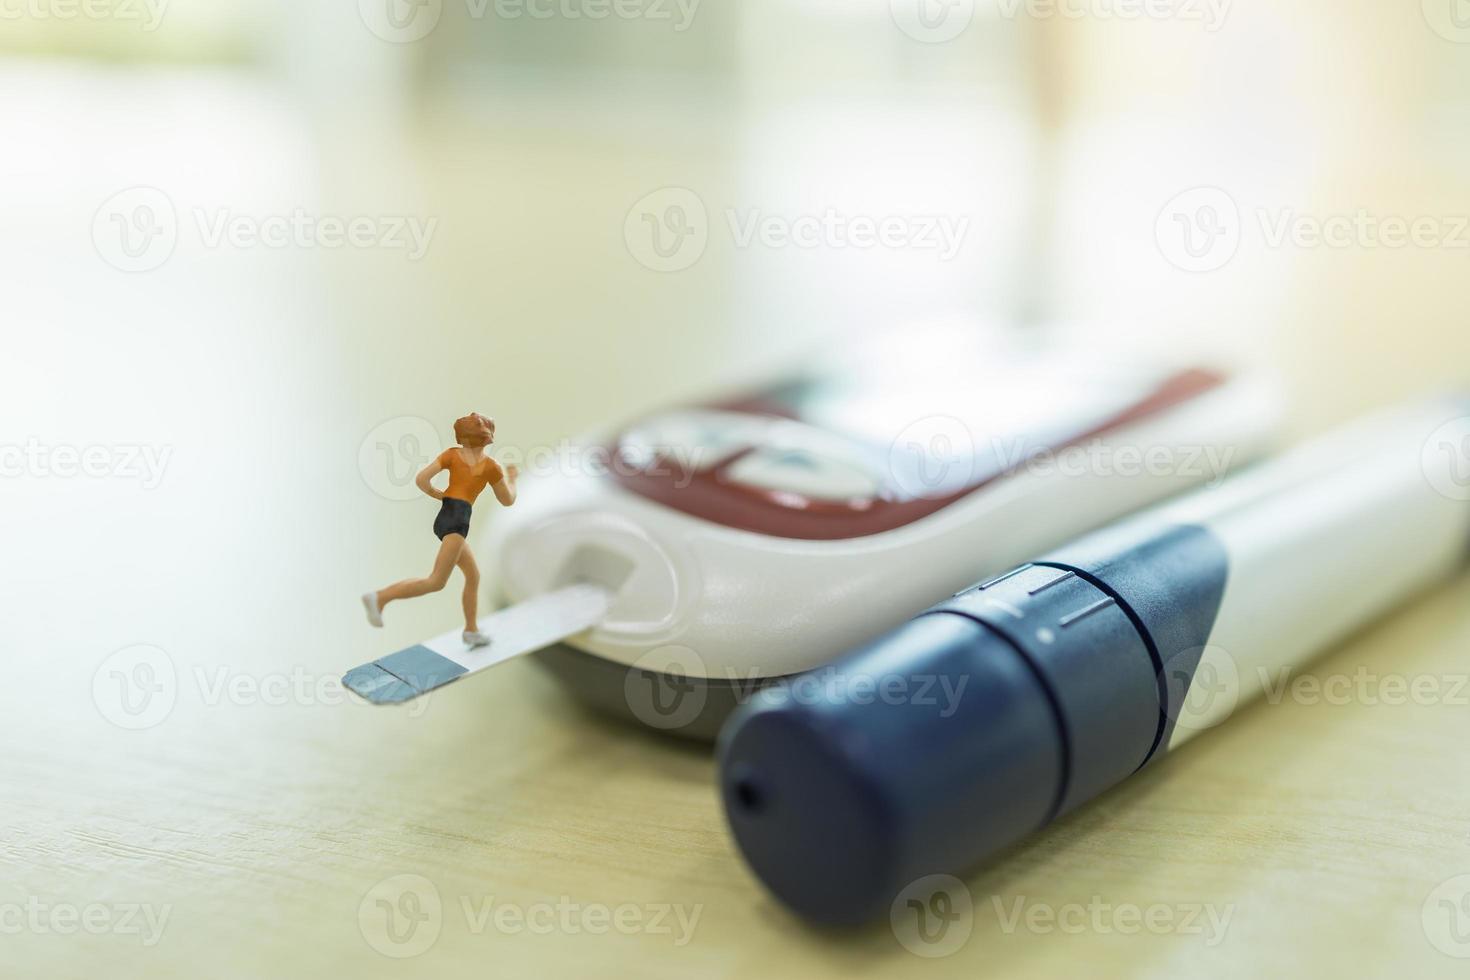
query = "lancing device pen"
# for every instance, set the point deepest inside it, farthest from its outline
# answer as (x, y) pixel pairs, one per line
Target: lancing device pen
(988, 716)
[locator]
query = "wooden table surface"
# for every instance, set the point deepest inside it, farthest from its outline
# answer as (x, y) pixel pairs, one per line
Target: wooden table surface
(187, 793)
(1300, 838)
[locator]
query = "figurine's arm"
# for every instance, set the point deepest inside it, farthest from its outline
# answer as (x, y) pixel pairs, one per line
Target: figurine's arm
(425, 475)
(505, 487)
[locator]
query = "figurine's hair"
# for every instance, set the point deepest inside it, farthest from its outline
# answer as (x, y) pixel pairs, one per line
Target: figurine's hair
(474, 430)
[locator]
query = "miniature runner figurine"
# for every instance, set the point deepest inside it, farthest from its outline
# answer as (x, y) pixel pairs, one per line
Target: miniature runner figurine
(470, 471)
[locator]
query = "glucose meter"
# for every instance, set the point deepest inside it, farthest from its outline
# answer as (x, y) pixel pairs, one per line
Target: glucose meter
(755, 535)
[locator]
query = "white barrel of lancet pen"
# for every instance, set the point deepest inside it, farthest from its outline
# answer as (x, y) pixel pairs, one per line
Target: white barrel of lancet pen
(1320, 543)
(1067, 674)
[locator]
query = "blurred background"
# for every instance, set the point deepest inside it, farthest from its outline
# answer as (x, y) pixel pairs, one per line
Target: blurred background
(246, 235)
(526, 130)
(1077, 151)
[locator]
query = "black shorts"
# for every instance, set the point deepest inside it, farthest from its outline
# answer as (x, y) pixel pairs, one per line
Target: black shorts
(454, 518)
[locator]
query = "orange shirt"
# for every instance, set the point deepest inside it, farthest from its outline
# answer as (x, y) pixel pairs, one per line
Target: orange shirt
(465, 481)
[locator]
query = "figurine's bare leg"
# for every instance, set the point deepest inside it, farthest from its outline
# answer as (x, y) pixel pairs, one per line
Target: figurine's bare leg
(471, 587)
(449, 550)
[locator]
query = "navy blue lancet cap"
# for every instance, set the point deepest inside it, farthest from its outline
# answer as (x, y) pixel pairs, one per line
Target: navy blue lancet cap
(835, 803)
(967, 728)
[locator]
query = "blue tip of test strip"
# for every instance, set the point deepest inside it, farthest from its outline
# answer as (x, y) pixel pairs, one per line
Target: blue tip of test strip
(401, 676)
(375, 684)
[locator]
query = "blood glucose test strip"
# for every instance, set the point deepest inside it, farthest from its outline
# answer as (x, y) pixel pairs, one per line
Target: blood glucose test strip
(538, 622)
